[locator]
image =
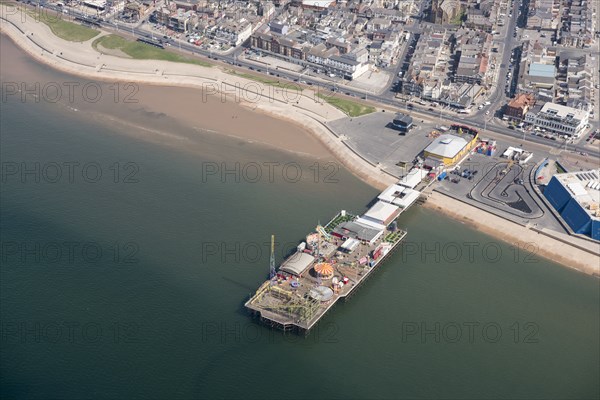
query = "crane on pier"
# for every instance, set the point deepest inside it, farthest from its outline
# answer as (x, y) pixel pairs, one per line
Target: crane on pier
(272, 272)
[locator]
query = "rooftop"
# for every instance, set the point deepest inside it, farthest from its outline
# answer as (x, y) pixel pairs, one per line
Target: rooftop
(381, 211)
(297, 263)
(544, 70)
(356, 230)
(399, 195)
(584, 187)
(446, 145)
(563, 112)
(413, 178)
(403, 118)
(522, 100)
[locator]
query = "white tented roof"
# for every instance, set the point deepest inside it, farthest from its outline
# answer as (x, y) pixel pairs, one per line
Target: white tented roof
(350, 244)
(446, 146)
(297, 263)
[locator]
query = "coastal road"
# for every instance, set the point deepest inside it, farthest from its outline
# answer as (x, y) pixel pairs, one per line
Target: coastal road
(379, 100)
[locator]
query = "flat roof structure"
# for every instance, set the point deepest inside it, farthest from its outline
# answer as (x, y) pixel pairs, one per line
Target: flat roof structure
(413, 178)
(399, 195)
(317, 3)
(576, 196)
(382, 213)
(581, 186)
(99, 4)
(370, 223)
(357, 230)
(564, 112)
(543, 70)
(297, 263)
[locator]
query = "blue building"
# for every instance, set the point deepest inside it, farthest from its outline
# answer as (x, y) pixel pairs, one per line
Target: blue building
(576, 196)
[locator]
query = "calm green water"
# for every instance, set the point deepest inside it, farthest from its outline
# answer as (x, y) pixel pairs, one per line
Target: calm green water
(159, 313)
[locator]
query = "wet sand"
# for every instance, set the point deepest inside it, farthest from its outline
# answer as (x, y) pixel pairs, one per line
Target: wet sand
(154, 109)
(159, 106)
(306, 113)
(229, 118)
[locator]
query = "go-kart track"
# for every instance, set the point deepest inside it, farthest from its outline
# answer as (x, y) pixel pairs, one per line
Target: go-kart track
(502, 188)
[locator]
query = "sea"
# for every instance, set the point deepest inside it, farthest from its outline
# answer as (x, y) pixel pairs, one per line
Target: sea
(130, 242)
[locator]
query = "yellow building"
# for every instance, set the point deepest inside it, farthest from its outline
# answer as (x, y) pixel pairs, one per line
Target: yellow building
(450, 148)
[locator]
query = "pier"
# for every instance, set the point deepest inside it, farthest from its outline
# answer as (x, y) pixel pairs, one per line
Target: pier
(329, 266)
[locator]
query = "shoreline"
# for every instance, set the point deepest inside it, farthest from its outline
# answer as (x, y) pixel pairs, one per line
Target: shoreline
(309, 117)
(273, 107)
(516, 235)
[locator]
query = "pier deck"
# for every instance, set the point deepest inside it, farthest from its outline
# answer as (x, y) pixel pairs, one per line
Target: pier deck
(289, 302)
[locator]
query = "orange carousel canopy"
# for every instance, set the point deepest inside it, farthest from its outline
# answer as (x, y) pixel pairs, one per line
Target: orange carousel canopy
(324, 269)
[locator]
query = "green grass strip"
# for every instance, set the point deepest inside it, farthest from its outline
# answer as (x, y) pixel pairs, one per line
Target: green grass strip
(143, 51)
(64, 29)
(351, 108)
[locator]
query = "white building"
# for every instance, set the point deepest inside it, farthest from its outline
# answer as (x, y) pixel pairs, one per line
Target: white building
(380, 215)
(562, 120)
(96, 4)
(413, 178)
(400, 196)
(346, 66)
(234, 33)
(317, 4)
(517, 154)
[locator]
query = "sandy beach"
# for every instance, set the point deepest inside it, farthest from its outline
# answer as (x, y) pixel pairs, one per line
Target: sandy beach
(176, 90)
(539, 244)
(248, 101)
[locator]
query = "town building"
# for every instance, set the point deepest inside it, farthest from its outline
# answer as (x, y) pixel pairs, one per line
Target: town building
(444, 11)
(450, 148)
(402, 122)
(380, 215)
(574, 86)
(559, 119)
(577, 23)
(233, 33)
(518, 107)
(544, 15)
(399, 195)
(576, 196)
(413, 178)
